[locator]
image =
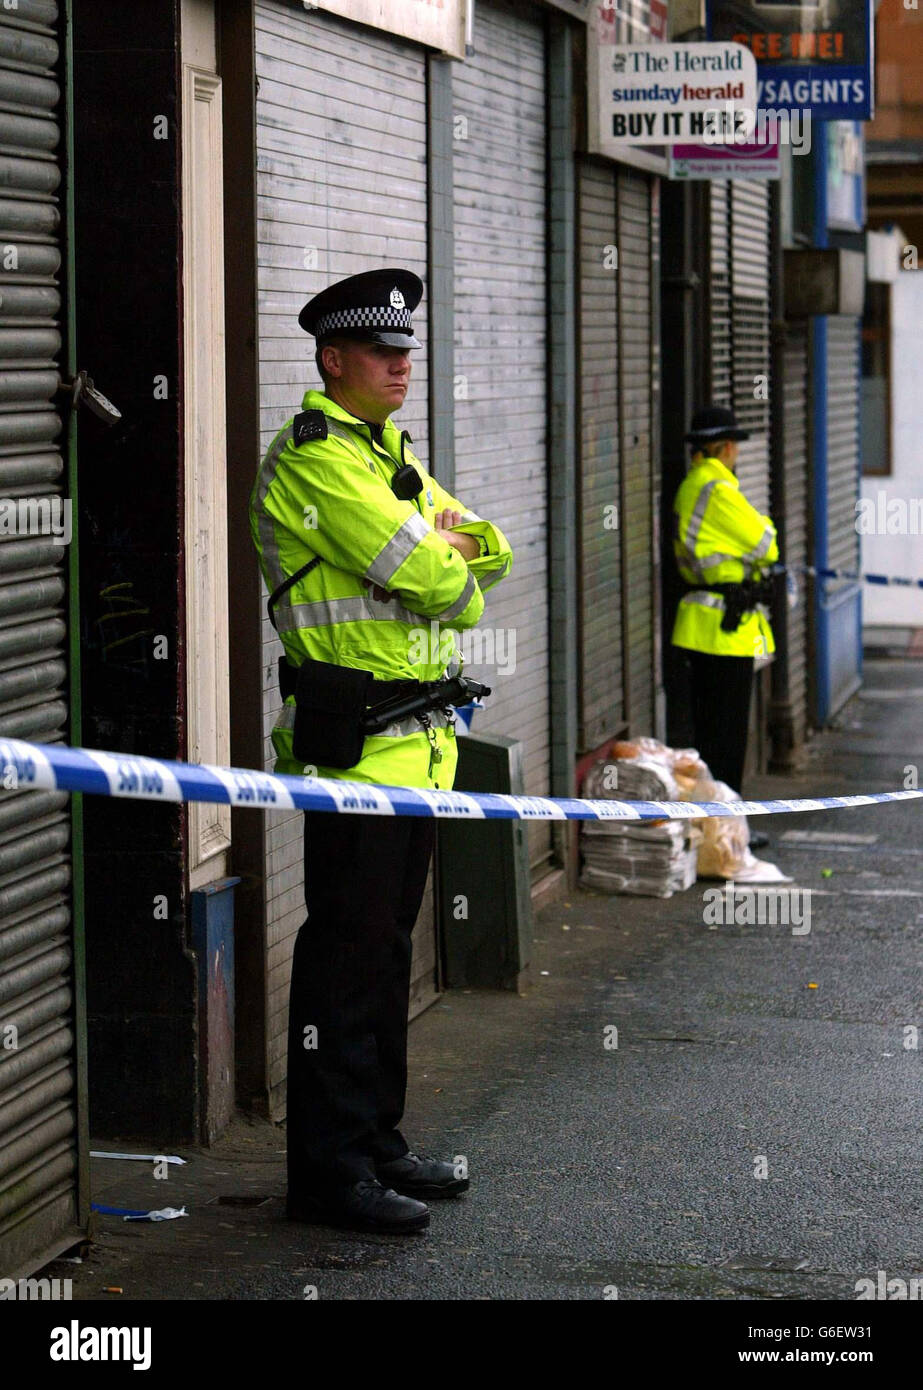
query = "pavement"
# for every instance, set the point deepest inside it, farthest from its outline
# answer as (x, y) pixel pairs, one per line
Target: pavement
(753, 1135)
(894, 641)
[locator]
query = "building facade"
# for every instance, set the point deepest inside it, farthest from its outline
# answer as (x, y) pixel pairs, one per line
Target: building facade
(892, 484)
(578, 308)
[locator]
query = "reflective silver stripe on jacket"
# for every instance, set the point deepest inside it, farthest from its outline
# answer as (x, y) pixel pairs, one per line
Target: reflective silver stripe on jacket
(719, 557)
(699, 564)
(762, 547)
(324, 612)
(460, 604)
(286, 717)
(695, 526)
(707, 600)
(343, 432)
(411, 725)
(493, 576)
(334, 427)
(704, 599)
(391, 556)
(354, 436)
(401, 728)
(748, 558)
(265, 523)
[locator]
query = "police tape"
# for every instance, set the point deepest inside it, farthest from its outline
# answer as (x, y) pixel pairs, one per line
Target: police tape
(55, 767)
(860, 578)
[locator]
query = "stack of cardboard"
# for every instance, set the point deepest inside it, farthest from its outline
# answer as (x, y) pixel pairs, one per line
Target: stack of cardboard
(650, 858)
(659, 858)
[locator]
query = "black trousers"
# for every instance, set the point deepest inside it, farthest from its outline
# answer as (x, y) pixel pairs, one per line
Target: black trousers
(347, 1037)
(721, 688)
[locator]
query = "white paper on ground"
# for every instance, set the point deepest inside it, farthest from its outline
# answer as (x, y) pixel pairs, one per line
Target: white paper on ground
(761, 871)
(164, 1214)
(143, 1158)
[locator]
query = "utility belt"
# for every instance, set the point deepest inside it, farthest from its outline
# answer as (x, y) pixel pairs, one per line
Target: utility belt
(739, 598)
(337, 707)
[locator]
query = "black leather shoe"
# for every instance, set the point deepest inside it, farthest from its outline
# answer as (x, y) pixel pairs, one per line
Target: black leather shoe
(420, 1176)
(366, 1206)
(758, 839)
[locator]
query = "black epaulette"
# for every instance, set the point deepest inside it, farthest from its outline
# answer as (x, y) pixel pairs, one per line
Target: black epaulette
(309, 425)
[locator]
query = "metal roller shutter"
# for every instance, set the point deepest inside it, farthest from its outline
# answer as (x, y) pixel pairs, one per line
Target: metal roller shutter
(840, 600)
(341, 188)
(750, 333)
(719, 293)
(798, 518)
(740, 322)
(843, 387)
(501, 347)
(341, 135)
(601, 586)
(635, 213)
(617, 212)
(38, 1073)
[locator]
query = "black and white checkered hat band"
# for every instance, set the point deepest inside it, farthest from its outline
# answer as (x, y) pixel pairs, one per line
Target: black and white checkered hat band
(362, 318)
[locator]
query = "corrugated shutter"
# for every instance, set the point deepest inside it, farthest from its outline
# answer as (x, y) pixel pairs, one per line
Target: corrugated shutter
(501, 354)
(601, 586)
(798, 518)
(341, 135)
(635, 212)
(843, 387)
(341, 188)
(740, 322)
(750, 333)
(617, 627)
(839, 600)
(719, 293)
(38, 1104)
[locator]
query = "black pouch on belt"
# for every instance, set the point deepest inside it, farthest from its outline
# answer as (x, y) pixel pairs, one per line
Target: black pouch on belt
(329, 704)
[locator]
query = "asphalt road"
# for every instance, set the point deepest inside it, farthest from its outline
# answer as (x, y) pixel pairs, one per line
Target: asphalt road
(742, 1050)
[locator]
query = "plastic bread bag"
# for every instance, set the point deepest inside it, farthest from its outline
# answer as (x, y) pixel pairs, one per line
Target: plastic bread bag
(725, 849)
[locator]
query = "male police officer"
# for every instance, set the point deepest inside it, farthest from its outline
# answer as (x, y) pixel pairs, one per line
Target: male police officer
(721, 543)
(367, 560)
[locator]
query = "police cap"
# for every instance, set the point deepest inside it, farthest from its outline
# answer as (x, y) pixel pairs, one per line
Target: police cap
(714, 422)
(374, 307)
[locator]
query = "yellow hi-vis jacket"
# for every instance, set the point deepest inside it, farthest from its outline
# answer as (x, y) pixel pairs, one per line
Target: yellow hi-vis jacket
(719, 538)
(331, 497)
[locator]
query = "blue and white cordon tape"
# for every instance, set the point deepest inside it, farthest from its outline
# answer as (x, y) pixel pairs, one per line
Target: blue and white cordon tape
(860, 578)
(55, 767)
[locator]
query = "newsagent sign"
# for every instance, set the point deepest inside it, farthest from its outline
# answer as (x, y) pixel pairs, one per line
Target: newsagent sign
(658, 93)
(811, 55)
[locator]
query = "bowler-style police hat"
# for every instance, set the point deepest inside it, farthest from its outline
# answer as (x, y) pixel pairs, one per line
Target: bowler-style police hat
(714, 422)
(374, 307)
